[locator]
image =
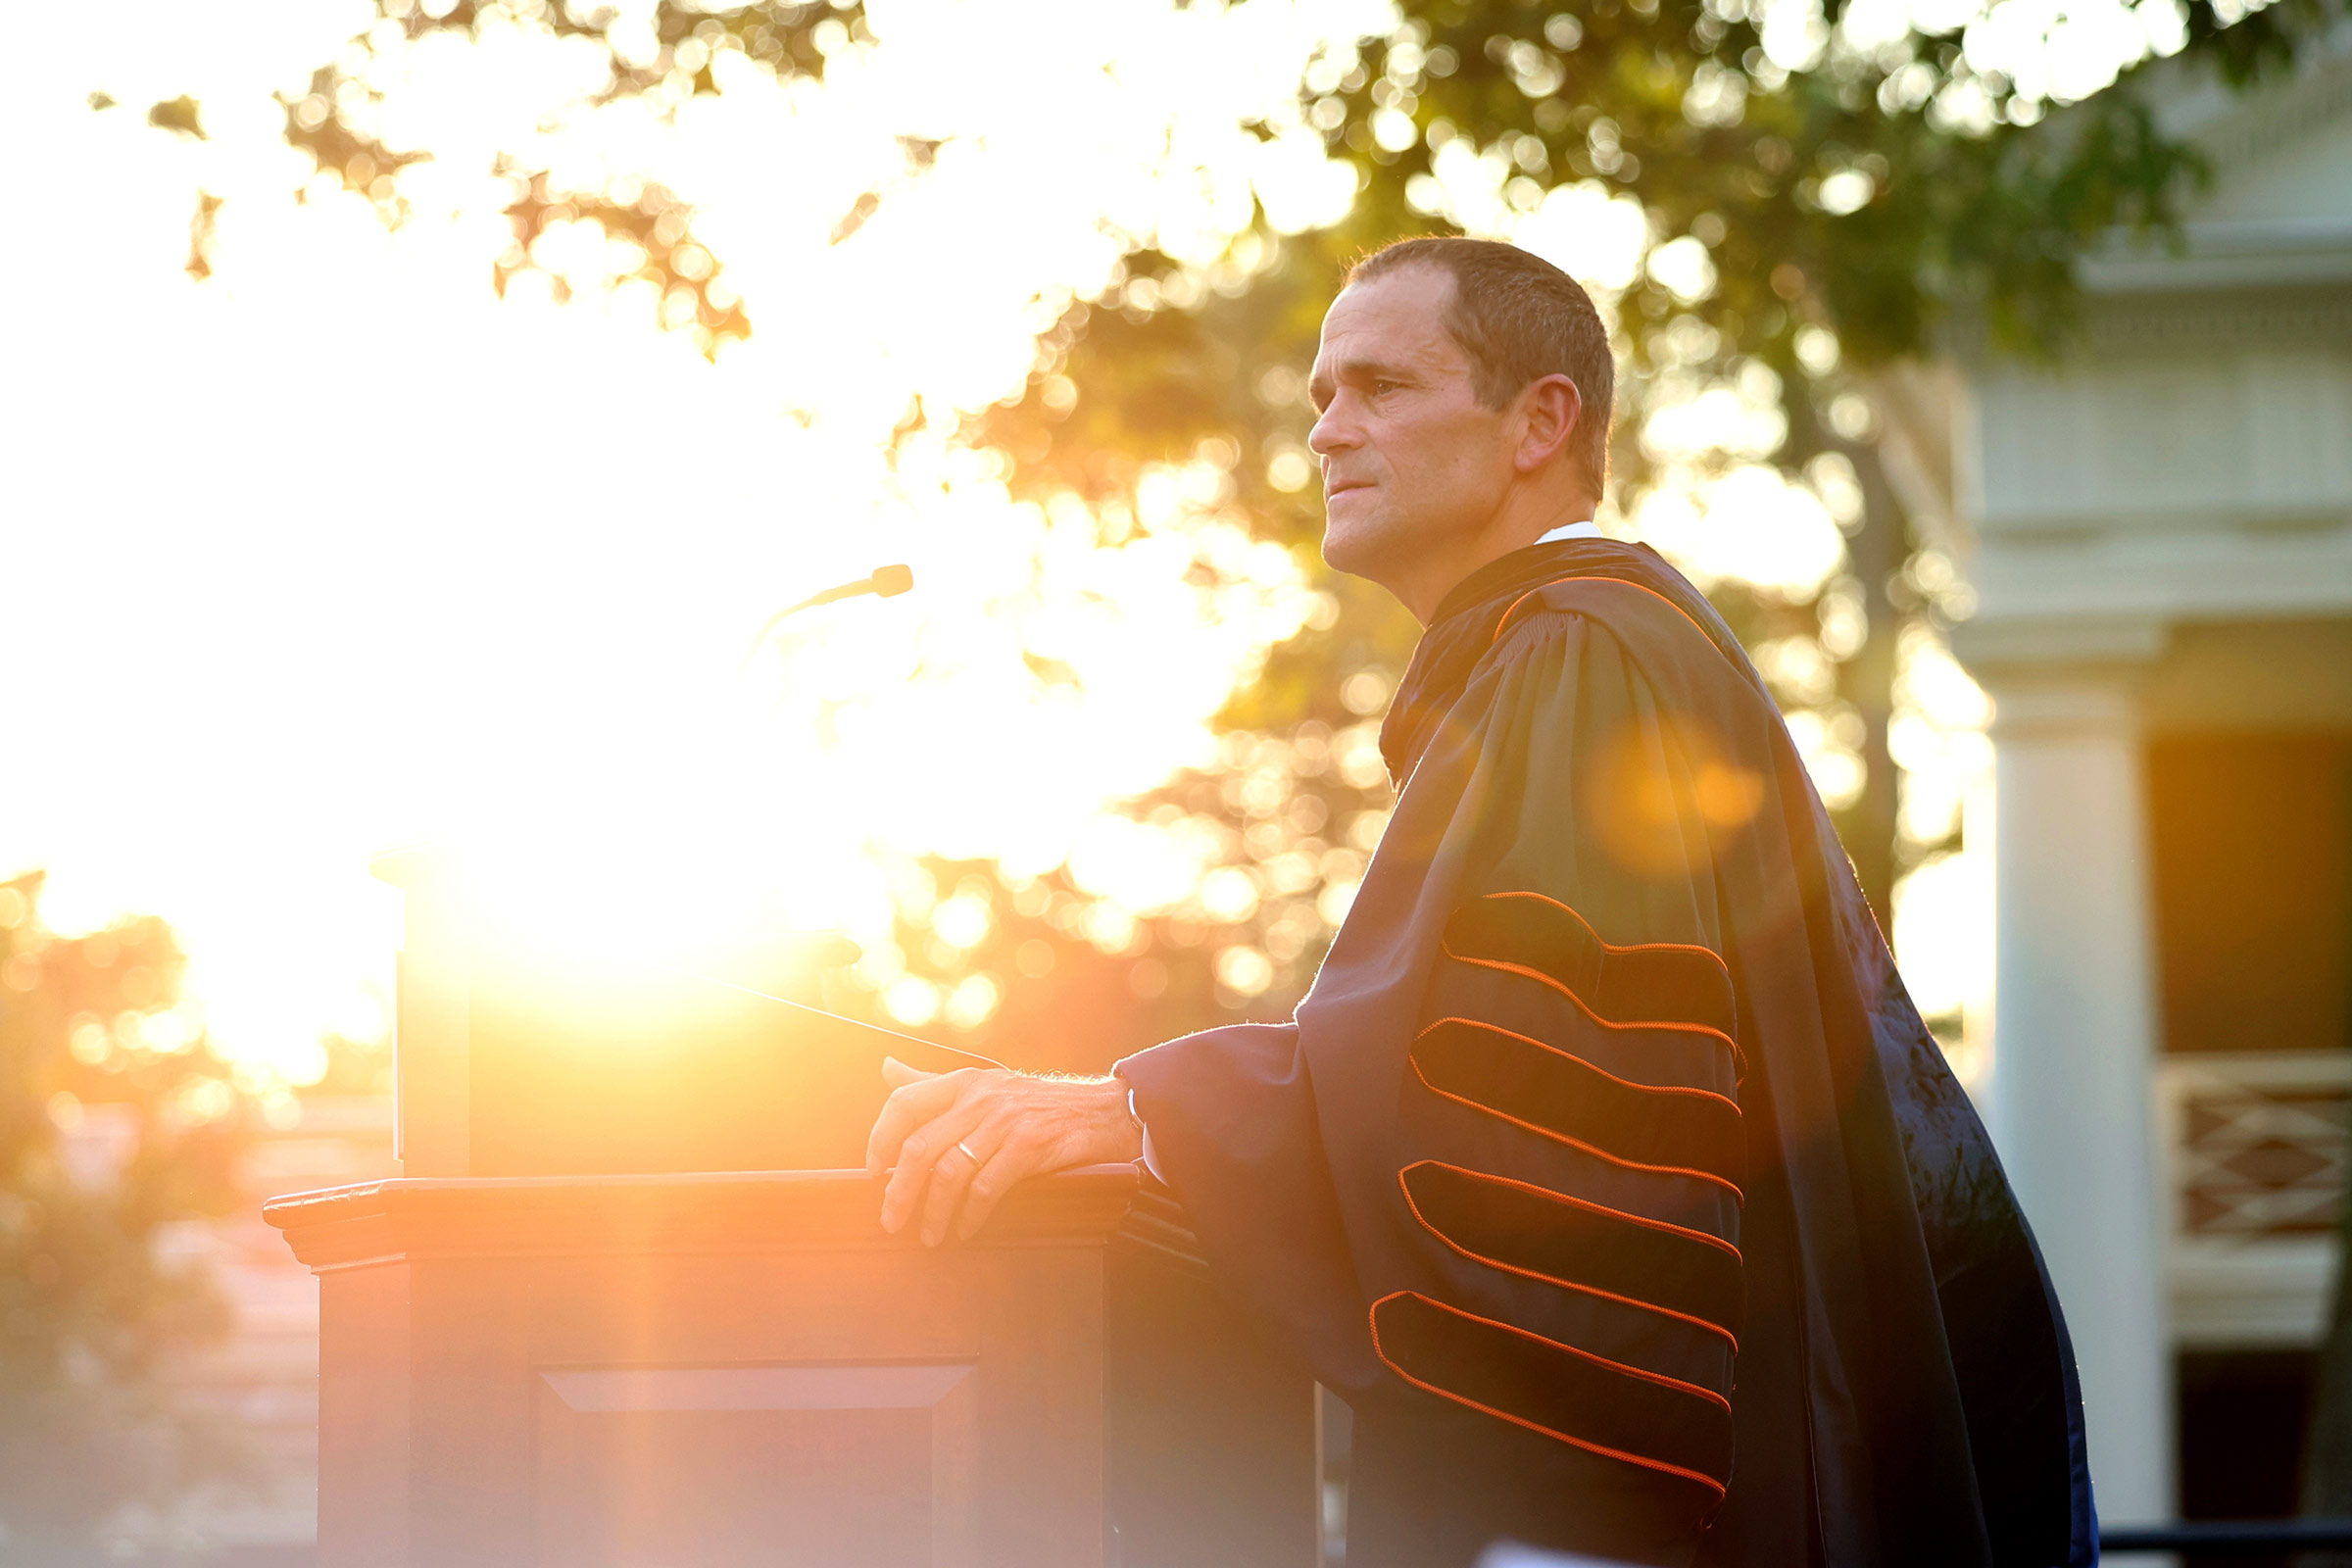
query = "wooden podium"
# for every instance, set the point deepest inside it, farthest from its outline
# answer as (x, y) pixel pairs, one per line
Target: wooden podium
(665, 1368)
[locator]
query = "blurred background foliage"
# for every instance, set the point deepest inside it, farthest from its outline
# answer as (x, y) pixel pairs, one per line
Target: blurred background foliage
(1822, 213)
(116, 1126)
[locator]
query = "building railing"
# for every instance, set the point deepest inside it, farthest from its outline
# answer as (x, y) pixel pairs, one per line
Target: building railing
(2231, 1537)
(2228, 1537)
(2255, 1147)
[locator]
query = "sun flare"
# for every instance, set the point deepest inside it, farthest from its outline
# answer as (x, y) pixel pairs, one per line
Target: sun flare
(341, 548)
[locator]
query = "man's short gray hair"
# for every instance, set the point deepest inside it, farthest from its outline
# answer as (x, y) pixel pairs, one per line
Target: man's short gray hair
(1519, 319)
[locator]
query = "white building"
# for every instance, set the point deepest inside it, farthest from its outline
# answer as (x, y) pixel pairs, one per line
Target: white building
(2160, 537)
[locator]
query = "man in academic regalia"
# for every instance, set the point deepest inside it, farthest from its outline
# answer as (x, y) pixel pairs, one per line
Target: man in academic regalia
(1607, 1170)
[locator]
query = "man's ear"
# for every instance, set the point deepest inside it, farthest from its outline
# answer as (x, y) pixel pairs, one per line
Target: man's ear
(1550, 407)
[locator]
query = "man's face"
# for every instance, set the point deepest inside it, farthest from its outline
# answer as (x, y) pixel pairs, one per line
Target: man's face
(1413, 465)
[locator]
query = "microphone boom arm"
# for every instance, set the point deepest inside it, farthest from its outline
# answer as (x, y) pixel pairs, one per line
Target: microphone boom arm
(885, 582)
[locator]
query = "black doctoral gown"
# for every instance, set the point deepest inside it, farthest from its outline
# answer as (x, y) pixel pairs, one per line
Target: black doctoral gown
(1607, 1170)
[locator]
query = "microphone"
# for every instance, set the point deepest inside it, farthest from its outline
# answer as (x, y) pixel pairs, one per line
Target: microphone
(885, 582)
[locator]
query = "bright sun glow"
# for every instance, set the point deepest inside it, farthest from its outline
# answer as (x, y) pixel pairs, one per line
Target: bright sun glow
(337, 549)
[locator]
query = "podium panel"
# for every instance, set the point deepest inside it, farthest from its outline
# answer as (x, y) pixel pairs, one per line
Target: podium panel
(727, 1466)
(699, 1371)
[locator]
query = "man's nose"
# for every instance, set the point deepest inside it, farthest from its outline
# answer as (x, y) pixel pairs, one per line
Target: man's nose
(1333, 432)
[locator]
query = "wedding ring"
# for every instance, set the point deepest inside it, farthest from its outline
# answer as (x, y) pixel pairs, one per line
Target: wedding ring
(967, 1150)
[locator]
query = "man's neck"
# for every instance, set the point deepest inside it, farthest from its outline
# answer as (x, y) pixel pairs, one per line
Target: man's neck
(1567, 523)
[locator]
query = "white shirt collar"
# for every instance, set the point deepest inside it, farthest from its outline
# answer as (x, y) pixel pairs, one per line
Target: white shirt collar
(1571, 530)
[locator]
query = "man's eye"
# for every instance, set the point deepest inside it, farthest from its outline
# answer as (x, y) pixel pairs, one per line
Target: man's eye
(1380, 388)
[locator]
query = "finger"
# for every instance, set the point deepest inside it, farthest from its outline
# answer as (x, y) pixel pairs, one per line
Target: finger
(905, 1109)
(950, 1175)
(908, 1107)
(1014, 1160)
(917, 1159)
(898, 1075)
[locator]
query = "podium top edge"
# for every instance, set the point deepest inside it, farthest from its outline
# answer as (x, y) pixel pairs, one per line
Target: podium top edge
(786, 1210)
(392, 1189)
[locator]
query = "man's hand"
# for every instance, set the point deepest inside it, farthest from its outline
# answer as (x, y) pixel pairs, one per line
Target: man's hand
(960, 1141)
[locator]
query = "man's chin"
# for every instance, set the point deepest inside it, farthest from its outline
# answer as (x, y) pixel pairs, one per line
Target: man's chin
(1352, 532)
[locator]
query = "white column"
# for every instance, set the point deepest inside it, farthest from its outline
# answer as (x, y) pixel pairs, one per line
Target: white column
(2074, 1037)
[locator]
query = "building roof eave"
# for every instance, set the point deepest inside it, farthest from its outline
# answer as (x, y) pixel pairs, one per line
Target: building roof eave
(2237, 253)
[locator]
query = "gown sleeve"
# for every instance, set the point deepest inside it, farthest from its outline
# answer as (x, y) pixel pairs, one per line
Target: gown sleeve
(1233, 1127)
